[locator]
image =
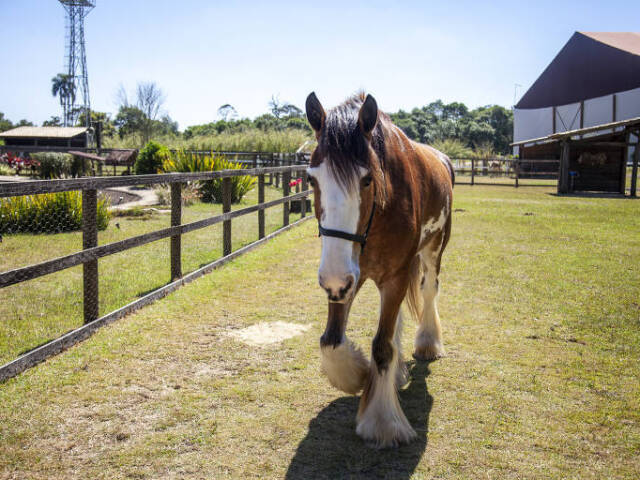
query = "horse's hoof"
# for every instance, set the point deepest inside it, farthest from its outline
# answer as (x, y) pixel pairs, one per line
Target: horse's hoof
(429, 354)
(391, 434)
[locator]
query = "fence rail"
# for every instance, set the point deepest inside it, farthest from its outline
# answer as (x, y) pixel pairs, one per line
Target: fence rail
(91, 252)
(512, 169)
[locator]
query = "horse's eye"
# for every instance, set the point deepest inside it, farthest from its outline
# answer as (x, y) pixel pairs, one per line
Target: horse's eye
(366, 181)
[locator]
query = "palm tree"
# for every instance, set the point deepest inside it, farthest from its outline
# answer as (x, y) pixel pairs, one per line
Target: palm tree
(63, 86)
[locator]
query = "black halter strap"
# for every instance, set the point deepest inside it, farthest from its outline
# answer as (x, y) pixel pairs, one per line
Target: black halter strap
(353, 237)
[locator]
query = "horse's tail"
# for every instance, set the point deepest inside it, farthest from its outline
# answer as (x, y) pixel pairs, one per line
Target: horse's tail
(414, 295)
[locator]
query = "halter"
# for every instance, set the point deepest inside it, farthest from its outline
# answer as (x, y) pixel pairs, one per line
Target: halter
(353, 237)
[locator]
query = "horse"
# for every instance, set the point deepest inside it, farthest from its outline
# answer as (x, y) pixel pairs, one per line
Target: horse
(383, 206)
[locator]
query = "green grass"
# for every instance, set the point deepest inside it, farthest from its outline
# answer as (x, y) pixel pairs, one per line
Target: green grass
(40, 310)
(541, 319)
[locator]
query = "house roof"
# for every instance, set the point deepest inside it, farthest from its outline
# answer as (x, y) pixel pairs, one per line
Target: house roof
(590, 65)
(43, 132)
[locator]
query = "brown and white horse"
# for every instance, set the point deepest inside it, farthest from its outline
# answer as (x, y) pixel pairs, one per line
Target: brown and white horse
(383, 204)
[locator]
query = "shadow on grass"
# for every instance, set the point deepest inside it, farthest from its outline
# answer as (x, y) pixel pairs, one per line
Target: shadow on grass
(332, 449)
(612, 195)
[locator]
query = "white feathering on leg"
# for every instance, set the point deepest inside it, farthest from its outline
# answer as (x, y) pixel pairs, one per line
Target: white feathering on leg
(345, 366)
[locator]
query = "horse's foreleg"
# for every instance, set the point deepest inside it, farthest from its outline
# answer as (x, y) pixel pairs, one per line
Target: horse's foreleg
(428, 343)
(342, 362)
(380, 417)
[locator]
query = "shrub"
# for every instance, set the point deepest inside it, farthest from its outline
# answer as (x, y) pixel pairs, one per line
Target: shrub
(453, 148)
(151, 158)
(47, 213)
(53, 164)
(210, 191)
(79, 166)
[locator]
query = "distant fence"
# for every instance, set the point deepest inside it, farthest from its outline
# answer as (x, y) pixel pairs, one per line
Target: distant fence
(503, 171)
(91, 252)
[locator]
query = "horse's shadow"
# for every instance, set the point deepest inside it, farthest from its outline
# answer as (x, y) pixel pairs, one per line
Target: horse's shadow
(331, 448)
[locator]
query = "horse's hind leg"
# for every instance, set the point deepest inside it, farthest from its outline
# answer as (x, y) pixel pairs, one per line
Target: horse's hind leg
(428, 343)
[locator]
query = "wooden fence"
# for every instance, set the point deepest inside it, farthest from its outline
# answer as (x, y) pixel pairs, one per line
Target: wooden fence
(512, 170)
(91, 251)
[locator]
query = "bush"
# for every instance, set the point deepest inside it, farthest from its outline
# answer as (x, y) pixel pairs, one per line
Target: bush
(79, 167)
(210, 191)
(53, 164)
(47, 213)
(151, 158)
(453, 148)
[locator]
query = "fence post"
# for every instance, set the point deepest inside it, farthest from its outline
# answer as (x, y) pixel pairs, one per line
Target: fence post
(90, 268)
(176, 240)
(303, 200)
(517, 168)
(634, 169)
(286, 176)
(261, 200)
(226, 207)
(473, 170)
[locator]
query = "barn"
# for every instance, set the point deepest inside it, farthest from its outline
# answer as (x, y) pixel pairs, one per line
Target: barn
(52, 137)
(584, 113)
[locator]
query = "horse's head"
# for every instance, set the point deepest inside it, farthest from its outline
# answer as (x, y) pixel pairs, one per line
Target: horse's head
(347, 181)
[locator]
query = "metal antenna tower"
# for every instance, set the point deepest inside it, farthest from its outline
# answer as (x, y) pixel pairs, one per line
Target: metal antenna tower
(76, 62)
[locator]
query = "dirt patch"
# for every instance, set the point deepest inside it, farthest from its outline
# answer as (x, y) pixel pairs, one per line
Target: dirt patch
(267, 333)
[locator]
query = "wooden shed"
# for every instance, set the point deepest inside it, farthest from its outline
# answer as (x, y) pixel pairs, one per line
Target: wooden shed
(592, 159)
(29, 137)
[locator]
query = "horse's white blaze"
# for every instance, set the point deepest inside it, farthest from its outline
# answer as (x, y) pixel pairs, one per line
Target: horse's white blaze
(340, 211)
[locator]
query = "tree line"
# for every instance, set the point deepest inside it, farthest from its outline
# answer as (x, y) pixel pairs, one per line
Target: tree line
(141, 117)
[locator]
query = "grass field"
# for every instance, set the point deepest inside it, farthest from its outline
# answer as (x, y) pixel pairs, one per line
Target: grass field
(40, 310)
(540, 303)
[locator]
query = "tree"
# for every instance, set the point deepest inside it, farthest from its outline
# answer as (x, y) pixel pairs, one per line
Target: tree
(63, 86)
(108, 126)
(52, 122)
(226, 112)
(149, 99)
(129, 120)
(5, 123)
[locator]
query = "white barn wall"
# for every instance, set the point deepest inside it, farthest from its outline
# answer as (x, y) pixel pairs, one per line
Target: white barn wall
(533, 123)
(538, 122)
(628, 104)
(598, 111)
(567, 117)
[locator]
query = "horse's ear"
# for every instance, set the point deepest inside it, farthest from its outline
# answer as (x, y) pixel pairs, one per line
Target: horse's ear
(368, 115)
(315, 112)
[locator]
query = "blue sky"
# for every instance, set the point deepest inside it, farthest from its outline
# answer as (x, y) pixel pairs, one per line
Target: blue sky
(206, 53)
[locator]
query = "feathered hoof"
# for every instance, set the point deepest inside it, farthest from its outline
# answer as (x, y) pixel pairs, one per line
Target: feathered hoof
(387, 433)
(425, 355)
(345, 366)
(428, 350)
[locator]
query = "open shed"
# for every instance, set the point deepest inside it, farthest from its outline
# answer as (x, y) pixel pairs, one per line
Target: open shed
(592, 159)
(45, 137)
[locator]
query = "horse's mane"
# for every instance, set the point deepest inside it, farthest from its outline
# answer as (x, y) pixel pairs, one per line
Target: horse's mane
(345, 148)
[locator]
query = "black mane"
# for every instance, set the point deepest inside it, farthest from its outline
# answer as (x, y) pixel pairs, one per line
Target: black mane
(343, 144)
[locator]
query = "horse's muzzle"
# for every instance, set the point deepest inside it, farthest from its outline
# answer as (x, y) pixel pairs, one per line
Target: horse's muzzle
(338, 290)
